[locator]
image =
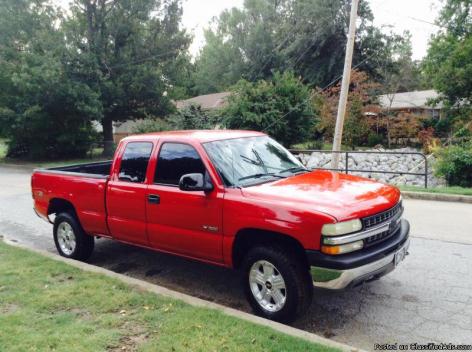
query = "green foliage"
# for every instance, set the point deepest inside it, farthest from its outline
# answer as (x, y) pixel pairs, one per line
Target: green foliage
(281, 107)
(356, 128)
(445, 190)
(132, 53)
(304, 36)
(107, 61)
(151, 125)
(44, 113)
(374, 139)
(356, 124)
(449, 63)
(44, 300)
(402, 73)
(455, 164)
(193, 117)
(3, 149)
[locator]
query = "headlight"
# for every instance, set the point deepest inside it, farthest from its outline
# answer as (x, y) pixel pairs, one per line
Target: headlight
(341, 228)
(344, 248)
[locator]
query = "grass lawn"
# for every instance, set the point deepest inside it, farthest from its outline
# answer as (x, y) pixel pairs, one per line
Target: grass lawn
(50, 306)
(3, 149)
(444, 190)
(326, 146)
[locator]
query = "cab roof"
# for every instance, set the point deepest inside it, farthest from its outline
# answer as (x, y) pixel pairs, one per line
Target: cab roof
(201, 136)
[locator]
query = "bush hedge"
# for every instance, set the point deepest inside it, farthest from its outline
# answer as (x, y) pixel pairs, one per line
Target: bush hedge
(455, 164)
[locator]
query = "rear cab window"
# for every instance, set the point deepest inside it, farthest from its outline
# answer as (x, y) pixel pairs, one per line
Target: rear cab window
(134, 162)
(174, 161)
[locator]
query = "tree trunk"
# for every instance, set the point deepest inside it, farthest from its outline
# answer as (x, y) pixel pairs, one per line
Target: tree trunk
(108, 143)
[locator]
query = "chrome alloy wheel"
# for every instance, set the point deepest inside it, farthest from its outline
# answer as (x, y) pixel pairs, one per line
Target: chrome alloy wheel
(267, 286)
(66, 238)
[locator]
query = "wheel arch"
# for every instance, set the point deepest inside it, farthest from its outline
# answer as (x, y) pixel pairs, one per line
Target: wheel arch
(61, 205)
(250, 237)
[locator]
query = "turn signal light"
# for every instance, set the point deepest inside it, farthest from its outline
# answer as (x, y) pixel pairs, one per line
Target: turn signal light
(342, 249)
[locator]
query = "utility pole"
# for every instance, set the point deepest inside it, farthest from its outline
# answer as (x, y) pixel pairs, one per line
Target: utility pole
(338, 133)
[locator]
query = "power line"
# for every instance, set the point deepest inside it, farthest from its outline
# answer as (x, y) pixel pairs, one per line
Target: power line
(290, 32)
(399, 15)
(149, 58)
(308, 99)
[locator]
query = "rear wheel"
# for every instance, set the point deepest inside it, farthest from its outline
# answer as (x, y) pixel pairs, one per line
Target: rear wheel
(70, 239)
(277, 286)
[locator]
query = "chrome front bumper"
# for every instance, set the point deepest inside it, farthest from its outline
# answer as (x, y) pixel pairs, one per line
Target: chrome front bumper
(338, 279)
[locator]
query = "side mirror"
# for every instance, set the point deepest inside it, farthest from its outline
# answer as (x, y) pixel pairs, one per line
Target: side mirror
(195, 182)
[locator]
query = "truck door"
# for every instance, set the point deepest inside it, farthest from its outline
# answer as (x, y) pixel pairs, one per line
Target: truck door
(126, 194)
(188, 223)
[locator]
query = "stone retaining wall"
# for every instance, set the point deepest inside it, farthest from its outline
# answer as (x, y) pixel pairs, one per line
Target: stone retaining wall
(381, 162)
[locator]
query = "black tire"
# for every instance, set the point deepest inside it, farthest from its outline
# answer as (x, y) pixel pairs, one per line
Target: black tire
(298, 283)
(84, 243)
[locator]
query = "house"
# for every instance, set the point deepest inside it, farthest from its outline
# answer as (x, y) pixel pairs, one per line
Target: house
(206, 102)
(416, 102)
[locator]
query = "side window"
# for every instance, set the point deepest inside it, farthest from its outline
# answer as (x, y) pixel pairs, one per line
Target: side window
(176, 160)
(135, 161)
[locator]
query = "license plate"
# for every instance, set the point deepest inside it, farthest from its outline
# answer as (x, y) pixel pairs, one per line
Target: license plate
(400, 255)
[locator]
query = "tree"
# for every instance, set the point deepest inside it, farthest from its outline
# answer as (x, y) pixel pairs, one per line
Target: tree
(129, 53)
(449, 62)
(402, 73)
(307, 37)
(281, 107)
(41, 109)
(360, 102)
(193, 117)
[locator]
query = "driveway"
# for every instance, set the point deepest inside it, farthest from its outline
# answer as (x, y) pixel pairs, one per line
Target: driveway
(427, 299)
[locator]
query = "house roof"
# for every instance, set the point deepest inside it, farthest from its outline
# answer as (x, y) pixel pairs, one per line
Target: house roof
(207, 102)
(409, 100)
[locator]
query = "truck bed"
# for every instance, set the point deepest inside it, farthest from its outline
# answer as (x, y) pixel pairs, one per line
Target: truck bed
(83, 185)
(99, 169)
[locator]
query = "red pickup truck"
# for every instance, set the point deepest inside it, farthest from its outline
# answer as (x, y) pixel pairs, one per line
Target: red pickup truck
(232, 198)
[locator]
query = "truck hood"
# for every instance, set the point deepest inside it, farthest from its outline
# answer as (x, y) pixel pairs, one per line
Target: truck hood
(342, 196)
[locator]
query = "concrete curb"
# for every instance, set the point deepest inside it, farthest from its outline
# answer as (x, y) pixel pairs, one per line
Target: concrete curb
(441, 197)
(194, 301)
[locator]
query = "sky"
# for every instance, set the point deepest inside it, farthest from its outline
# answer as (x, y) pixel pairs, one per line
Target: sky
(394, 15)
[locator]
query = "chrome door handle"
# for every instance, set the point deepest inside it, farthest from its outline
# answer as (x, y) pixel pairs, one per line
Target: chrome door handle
(154, 199)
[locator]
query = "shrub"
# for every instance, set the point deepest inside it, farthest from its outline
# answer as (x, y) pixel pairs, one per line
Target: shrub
(357, 125)
(455, 164)
(374, 139)
(428, 140)
(282, 107)
(193, 117)
(316, 144)
(151, 125)
(37, 134)
(45, 114)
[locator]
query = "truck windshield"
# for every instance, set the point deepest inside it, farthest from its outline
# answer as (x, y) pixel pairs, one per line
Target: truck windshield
(252, 160)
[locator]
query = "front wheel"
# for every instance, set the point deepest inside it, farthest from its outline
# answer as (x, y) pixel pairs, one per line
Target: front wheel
(277, 286)
(70, 239)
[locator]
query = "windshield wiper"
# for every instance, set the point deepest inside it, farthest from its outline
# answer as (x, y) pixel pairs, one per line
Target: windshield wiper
(294, 169)
(260, 175)
(250, 161)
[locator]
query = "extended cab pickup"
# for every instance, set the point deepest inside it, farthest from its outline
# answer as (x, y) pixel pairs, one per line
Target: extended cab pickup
(231, 198)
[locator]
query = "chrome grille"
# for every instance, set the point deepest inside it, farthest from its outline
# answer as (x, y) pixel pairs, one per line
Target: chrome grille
(379, 218)
(389, 215)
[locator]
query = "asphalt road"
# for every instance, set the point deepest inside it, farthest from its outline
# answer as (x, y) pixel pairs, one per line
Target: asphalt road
(427, 299)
